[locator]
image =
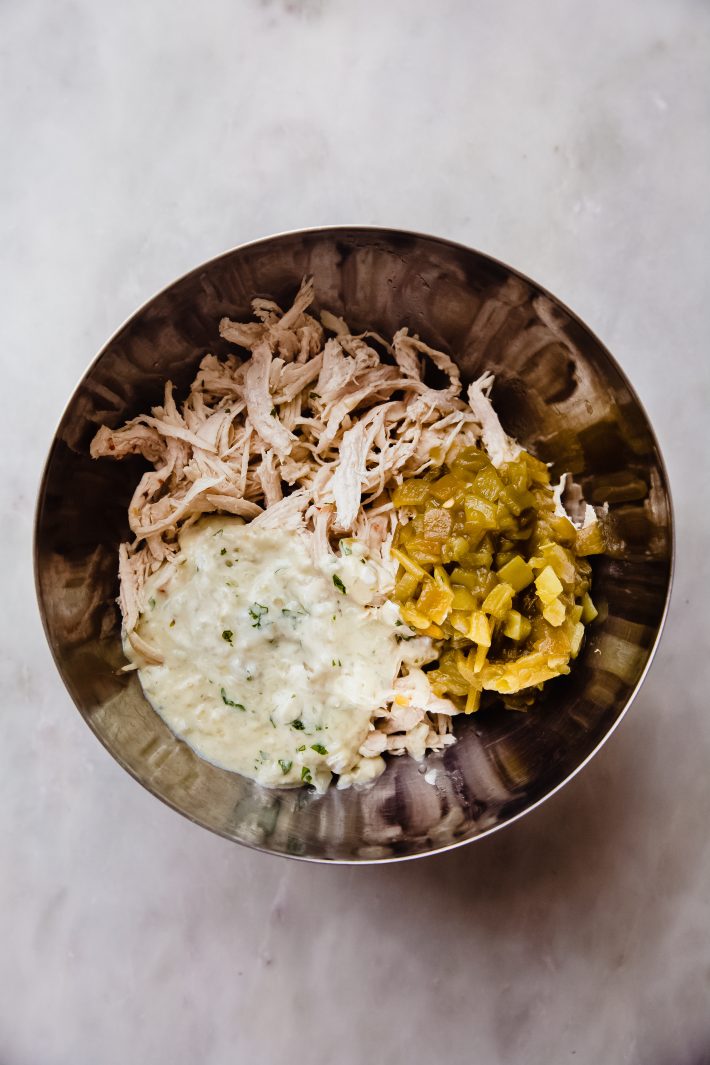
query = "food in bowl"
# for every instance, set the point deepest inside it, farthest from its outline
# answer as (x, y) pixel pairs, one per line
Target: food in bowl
(336, 553)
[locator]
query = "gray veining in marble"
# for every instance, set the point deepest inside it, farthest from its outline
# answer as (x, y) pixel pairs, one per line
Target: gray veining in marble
(569, 139)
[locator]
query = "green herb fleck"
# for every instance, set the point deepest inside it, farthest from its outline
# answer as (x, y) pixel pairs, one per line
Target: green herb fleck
(285, 766)
(345, 548)
(400, 638)
(313, 395)
(294, 615)
(298, 725)
(319, 748)
(336, 662)
(339, 584)
(228, 635)
(306, 775)
(171, 623)
(223, 551)
(399, 622)
(256, 613)
(228, 562)
(230, 702)
(151, 603)
(273, 412)
(301, 748)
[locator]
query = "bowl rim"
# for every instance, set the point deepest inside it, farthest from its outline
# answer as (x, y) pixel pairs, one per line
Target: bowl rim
(364, 230)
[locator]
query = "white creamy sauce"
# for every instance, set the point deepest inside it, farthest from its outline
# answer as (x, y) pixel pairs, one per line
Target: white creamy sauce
(273, 662)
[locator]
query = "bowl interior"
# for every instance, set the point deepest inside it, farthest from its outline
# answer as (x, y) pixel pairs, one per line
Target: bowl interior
(557, 390)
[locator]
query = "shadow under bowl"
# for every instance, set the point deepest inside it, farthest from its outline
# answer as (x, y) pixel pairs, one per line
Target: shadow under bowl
(558, 391)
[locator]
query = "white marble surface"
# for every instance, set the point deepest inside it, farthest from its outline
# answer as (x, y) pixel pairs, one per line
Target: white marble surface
(568, 138)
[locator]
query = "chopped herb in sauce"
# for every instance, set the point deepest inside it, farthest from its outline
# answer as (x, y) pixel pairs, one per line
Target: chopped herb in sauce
(256, 613)
(151, 603)
(171, 623)
(273, 412)
(345, 548)
(228, 562)
(230, 702)
(296, 618)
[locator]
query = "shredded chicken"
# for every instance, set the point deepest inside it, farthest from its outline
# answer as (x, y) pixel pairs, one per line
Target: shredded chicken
(301, 430)
(500, 447)
(331, 422)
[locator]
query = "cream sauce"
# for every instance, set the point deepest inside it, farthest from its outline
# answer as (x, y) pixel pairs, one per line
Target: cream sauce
(273, 661)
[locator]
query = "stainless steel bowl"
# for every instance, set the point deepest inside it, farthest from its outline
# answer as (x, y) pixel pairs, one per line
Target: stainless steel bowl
(558, 391)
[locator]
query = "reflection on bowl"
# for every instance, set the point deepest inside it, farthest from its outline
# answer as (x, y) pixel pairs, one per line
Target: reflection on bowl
(557, 390)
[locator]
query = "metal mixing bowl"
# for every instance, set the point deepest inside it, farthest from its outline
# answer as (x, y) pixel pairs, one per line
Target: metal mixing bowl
(557, 390)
